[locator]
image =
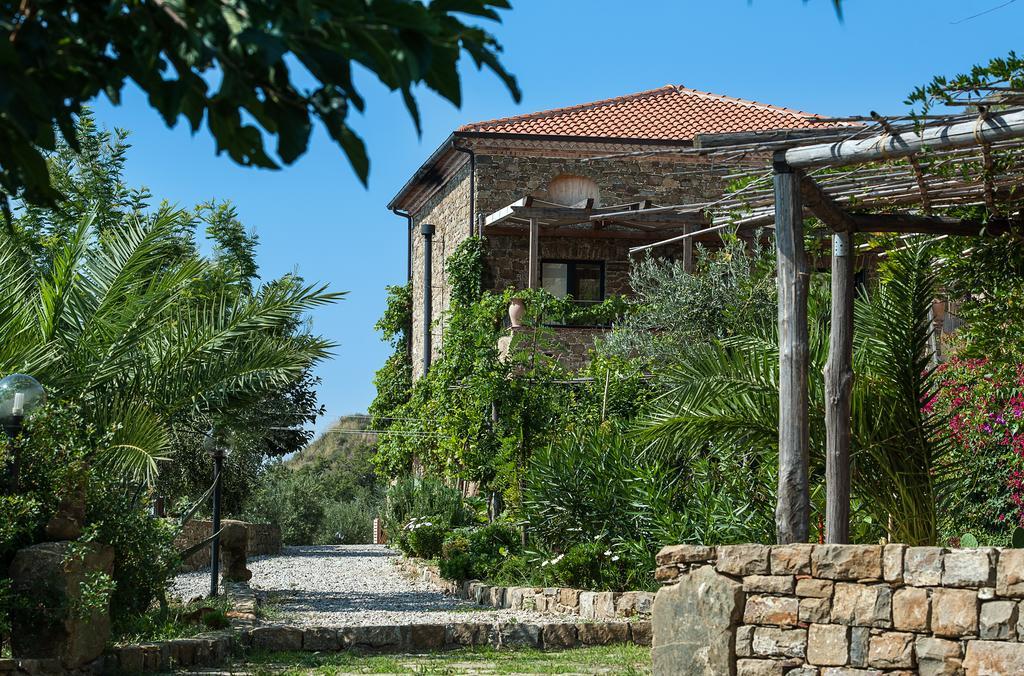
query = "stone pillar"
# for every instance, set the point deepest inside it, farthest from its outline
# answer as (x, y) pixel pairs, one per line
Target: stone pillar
(54, 625)
(234, 543)
(694, 624)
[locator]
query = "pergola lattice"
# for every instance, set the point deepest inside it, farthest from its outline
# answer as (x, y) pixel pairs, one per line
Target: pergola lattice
(887, 175)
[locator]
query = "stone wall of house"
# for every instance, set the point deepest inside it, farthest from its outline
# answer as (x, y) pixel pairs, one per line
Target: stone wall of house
(449, 212)
(264, 539)
(839, 610)
(570, 345)
(500, 178)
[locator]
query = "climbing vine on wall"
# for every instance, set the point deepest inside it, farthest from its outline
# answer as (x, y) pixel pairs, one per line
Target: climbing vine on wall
(476, 415)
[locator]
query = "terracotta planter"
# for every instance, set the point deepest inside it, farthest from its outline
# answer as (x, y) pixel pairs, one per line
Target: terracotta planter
(516, 310)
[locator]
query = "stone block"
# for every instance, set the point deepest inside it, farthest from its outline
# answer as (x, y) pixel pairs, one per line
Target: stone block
(891, 650)
(769, 584)
(517, 635)
(819, 589)
(385, 637)
(776, 642)
(777, 610)
(859, 644)
(750, 667)
(496, 597)
(631, 604)
(514, 597)
(892, 563)
(954, 613)
(604, 633)
(321, 638)
(828, 644)
(482, 594)
(862, 605)
(667, 574)
(640, 632)
(922, 566)
(685, 554)
(587, 604)
(1010, 573)
(911, 609)
(986, 593)
(742, 560)
(992, 657)
(570, 598)
(744, 640)
(814, 610)
(131, 659)
(969, 568)
(604, 605)
(997, 621)
(560, 635)
(938, 657)
(847, 562)
(792, 559)
(275, 639)
(52, 575)
(695, 624)
(467, 634)
(542, 603)
(427, 636)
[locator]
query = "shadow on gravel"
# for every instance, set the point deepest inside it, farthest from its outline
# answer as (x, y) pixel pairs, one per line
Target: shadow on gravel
(334, 552)
(308, 601)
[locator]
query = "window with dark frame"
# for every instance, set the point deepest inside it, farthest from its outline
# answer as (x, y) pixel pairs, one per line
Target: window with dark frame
(583, 280)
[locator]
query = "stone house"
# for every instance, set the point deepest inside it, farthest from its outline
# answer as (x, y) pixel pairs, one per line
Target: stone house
(562, 195)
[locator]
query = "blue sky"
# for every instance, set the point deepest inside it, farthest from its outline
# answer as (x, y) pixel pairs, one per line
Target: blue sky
(315, 217)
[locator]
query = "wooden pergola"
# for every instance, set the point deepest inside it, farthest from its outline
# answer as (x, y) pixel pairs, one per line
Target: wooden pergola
(888, 175)
(535, 217)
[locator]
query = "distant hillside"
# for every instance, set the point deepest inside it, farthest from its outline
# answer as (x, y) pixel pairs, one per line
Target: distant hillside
(343, 443)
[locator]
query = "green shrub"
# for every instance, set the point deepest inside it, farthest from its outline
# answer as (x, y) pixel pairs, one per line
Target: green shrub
(479, 553)
(348, 522)
(415, 498)
(426, 538)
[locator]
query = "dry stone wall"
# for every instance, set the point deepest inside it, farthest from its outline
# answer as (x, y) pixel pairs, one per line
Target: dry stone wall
(263, 539)
(839, 610)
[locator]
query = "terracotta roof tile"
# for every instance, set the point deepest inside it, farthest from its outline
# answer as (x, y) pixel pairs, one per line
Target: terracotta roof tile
(671, 113)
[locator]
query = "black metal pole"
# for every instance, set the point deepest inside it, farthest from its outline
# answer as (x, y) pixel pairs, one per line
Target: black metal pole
(427, 230)
(218, 462)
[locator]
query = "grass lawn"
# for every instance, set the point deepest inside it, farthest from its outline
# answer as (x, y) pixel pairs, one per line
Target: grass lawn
(617, 659)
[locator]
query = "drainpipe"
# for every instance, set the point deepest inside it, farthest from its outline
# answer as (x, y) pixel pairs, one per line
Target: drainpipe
(427, 230)
(472, 186)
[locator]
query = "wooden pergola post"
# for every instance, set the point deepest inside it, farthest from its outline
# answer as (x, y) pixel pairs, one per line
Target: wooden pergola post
(838, 392)
(533, 267)
(792, 510)
(688, 250)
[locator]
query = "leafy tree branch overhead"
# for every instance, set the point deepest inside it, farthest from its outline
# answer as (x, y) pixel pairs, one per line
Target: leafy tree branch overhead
(237, 65)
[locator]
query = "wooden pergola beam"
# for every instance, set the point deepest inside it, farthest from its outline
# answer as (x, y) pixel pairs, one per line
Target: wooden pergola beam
(839, 392)
(880, 147)
(824, 207)
(930, 225)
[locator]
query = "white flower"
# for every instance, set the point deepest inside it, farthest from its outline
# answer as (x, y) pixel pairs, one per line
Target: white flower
(608, 553)
(558, 558)
(615, 558)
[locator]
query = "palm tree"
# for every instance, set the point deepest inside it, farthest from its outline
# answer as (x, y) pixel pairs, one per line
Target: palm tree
(141, 332)
(723, 399)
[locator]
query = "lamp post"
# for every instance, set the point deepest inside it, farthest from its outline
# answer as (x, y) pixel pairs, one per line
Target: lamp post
(19, 395)
(218, 452)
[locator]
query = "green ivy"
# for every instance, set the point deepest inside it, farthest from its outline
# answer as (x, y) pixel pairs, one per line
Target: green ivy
(475, 416)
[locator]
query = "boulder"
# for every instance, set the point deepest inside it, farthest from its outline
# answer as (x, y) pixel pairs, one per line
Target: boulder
(695, 624)
(234, 542)
(54, 626)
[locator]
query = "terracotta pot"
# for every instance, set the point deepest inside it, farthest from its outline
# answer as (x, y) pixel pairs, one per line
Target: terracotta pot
(516, 310)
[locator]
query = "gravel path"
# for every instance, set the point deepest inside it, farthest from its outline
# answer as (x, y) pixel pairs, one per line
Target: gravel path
(349, 585)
